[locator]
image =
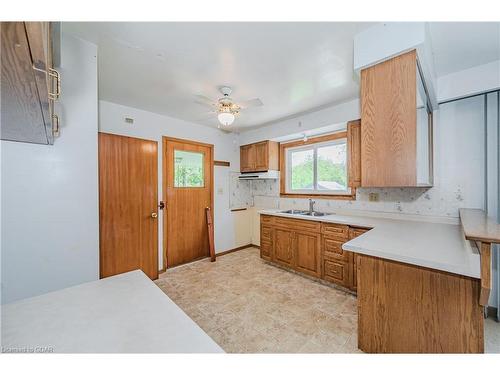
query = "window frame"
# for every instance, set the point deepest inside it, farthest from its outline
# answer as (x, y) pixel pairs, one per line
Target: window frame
(314, 143)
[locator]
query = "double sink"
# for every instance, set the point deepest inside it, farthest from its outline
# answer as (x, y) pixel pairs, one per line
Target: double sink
(302, 212)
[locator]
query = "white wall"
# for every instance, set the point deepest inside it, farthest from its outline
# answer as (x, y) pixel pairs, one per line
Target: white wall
(50, 221)
(337, 114)
(476, 80)
(147, 125)
(459, 174)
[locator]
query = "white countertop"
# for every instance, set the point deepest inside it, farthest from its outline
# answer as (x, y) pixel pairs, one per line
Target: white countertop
(126, 313)
(422, 243)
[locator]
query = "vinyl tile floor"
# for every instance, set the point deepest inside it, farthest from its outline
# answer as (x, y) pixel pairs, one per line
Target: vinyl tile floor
(249, 306)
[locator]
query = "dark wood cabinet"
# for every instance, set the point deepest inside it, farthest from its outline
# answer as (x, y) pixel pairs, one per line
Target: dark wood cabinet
(259, 157)
(29, 84)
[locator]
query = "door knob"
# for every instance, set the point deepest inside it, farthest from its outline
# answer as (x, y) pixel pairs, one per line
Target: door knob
(154, 215)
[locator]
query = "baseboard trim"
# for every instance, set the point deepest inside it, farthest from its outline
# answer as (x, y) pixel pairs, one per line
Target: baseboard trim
(235, 249)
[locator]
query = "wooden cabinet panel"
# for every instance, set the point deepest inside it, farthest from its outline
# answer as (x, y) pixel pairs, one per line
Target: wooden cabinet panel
(25, 59)
(307, 253)
(332, 248)
(310, 247)
(337, 272)
(283, 246)
(247, 158)
(354, 153)
(308, 225)
(259, 157)
(266, 219)
(266, 248)
(388, 117)
(353, 257)
(341, 232)
(409, 309)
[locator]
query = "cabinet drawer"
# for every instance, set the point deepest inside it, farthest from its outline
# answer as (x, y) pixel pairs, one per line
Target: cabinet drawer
(303, 225)
(266, 233)
(337, 272)
(335, 230)
(332, 248)
(266, 219)
(355, 232)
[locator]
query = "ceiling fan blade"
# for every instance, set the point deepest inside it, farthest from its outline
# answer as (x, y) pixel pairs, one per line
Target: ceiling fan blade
(206, 116)
(203, 100)
(251, 103)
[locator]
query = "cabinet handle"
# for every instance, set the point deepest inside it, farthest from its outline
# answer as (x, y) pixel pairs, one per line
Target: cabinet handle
(54, 74)
(55, 125)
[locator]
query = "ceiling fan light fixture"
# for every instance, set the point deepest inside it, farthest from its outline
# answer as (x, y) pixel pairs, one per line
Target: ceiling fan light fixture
(225, 118)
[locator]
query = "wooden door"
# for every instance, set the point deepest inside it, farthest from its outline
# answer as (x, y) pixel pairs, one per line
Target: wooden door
(261, 156)
(307, 253)
(188, 191)
(128, 199)
(247, 158)
(283, 246)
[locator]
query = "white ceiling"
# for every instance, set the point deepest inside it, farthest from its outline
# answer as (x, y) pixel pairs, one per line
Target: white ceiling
(292, 67)
(462, 45)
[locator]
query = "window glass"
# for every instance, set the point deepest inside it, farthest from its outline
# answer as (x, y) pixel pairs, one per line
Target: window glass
(319, 168)
(188, 171)
(332, 173)
(302, 169)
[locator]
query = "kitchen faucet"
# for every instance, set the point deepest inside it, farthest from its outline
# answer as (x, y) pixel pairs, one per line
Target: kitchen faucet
(311, 206)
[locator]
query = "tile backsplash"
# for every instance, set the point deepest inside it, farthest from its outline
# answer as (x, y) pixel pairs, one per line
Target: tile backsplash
(417, 201)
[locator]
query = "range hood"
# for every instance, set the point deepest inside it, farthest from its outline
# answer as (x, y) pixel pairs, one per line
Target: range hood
(269, 175)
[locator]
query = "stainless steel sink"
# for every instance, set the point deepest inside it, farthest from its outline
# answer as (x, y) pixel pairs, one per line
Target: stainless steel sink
(314, 213)
(294, 212)
(302, 212)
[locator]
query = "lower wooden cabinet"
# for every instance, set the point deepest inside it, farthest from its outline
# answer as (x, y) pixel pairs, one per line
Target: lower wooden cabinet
(307, 252)
(310, 247)
(353, 233)
(283, 247)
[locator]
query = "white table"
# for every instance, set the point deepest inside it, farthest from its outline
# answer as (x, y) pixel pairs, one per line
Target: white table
(126, 313)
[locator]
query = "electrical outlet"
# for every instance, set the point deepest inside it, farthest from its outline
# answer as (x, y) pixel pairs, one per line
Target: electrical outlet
(373, 197)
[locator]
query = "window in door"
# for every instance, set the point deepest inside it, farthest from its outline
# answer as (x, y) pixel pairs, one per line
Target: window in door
(188, 169)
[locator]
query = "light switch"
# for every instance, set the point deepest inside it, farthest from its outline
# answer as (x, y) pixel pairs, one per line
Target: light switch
(220, 191)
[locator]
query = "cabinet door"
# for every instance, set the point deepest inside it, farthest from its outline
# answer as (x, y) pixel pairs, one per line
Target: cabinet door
(388, 117)
(307, 253)
(353, 257)
(22, 117)
(283, 246)
(266, 242)
(261, 156)
(247, 158)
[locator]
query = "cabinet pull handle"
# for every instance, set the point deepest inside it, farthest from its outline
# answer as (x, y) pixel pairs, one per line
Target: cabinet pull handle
(54, 74)
(55, 125)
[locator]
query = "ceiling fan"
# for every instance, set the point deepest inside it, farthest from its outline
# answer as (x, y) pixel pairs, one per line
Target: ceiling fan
(225, 108)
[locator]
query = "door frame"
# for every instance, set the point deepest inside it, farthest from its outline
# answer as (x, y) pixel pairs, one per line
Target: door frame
(164, 175)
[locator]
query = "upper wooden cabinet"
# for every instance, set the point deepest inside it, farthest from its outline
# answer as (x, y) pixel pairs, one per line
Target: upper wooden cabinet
(259, 157)
(396, 125)
(29, 84)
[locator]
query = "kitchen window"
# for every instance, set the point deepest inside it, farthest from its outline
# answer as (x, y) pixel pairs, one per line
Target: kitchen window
(318, 166)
